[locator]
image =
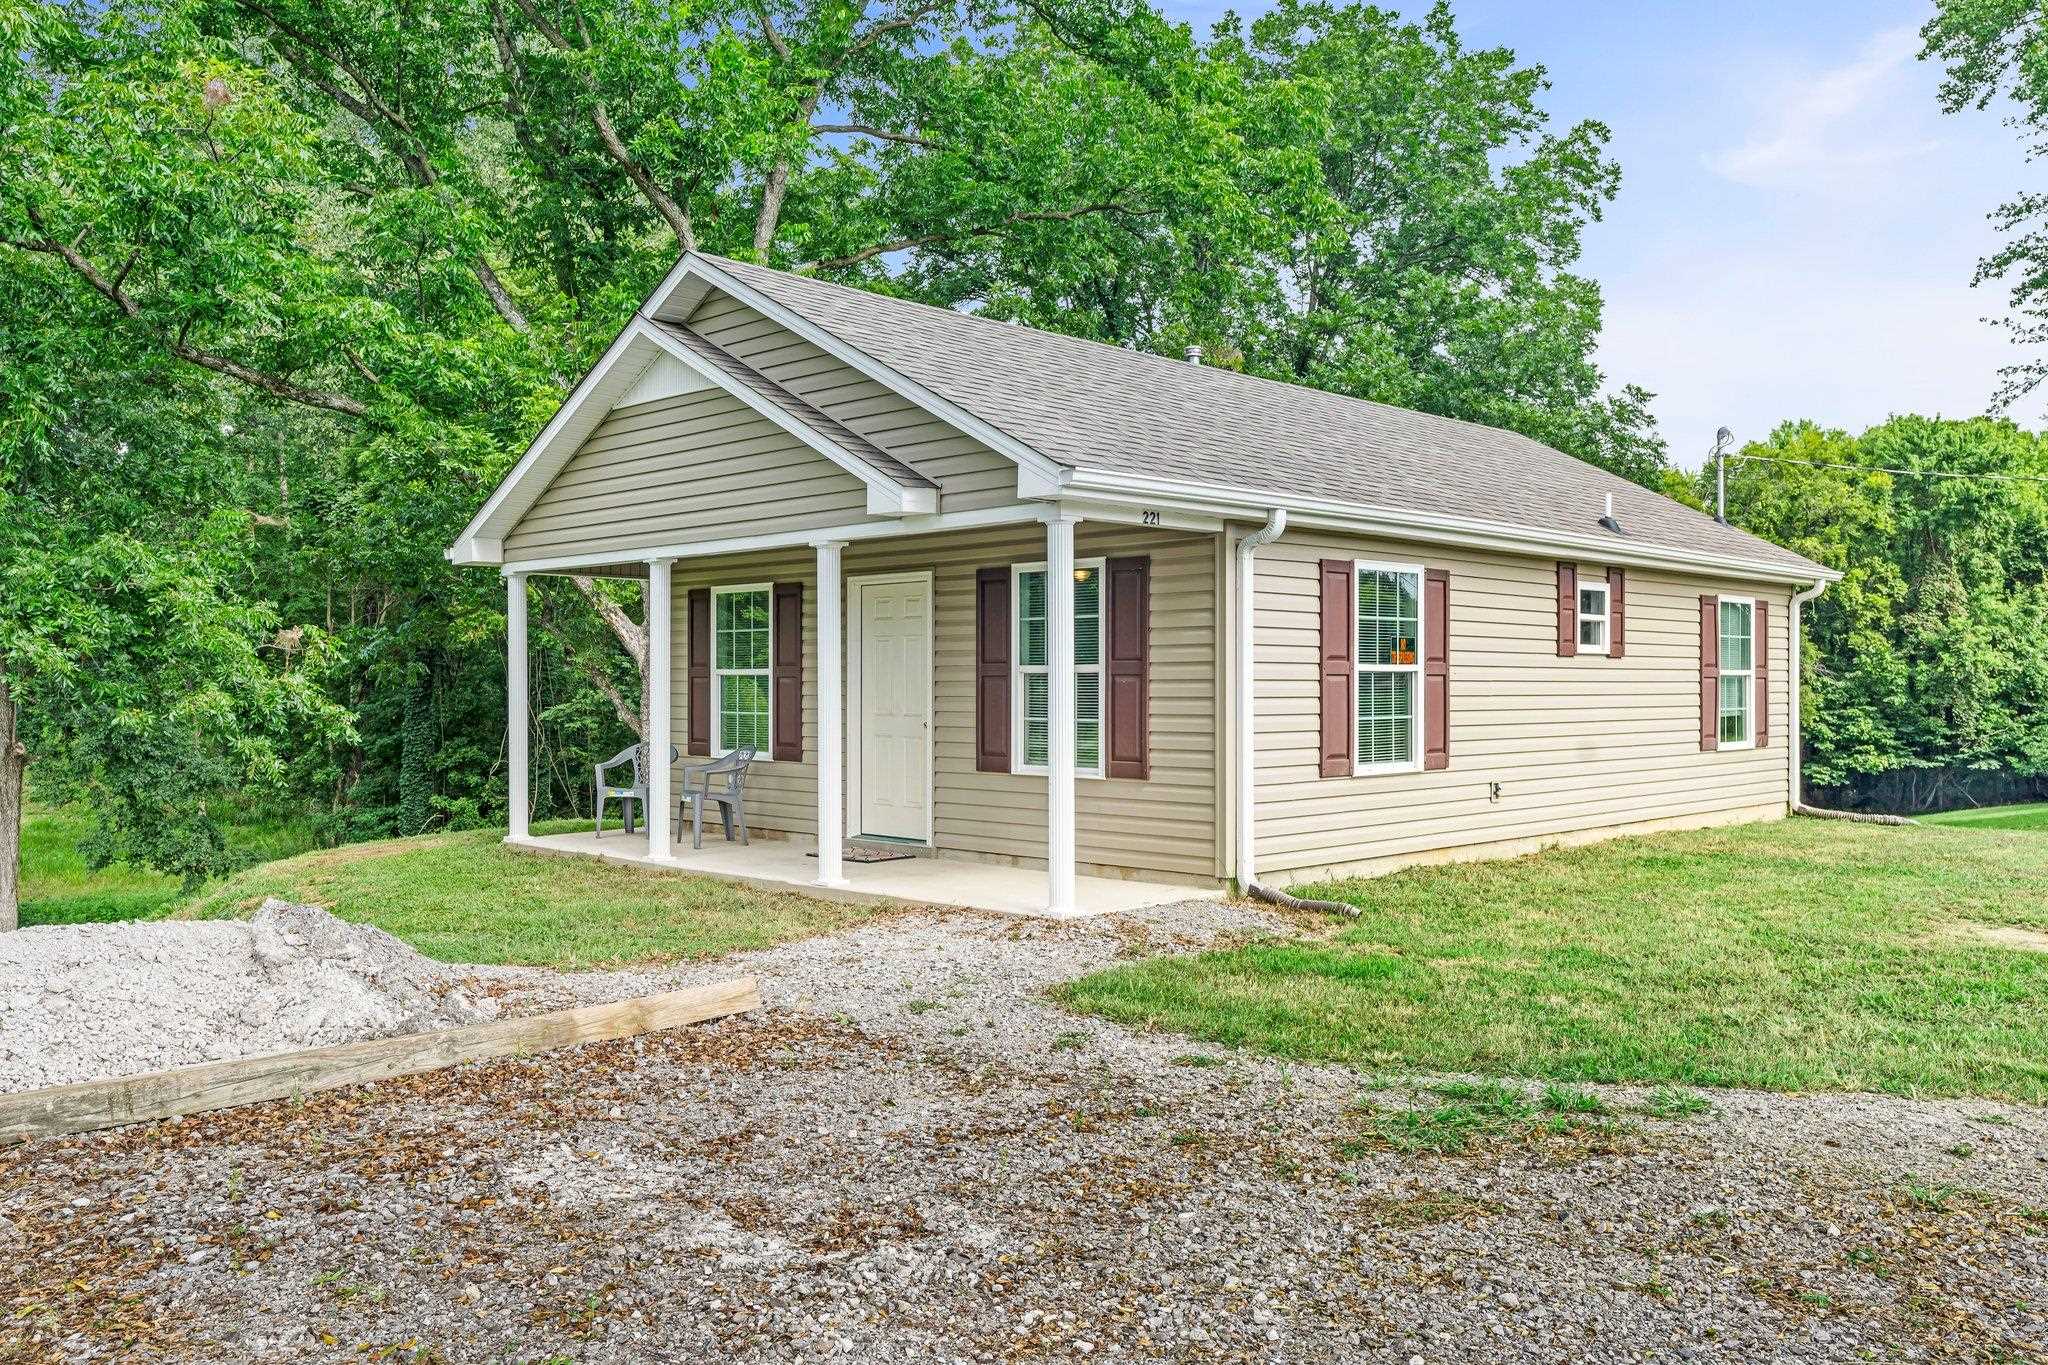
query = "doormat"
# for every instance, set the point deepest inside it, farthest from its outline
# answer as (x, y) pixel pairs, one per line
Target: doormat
(870, 853)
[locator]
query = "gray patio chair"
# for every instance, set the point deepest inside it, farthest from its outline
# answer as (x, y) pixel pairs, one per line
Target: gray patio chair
(698, 788)
(633, 797)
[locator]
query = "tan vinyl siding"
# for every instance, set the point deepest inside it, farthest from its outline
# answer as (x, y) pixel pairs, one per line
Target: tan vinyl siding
(1577, 745)
(683, 469)
(968, 473)
(1165, 826)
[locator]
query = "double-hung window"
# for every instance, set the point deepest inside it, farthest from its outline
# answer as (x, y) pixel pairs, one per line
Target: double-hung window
(1738, 672)
(1593, 618)
(740, 690)
(1388, 734)
(1030, 647)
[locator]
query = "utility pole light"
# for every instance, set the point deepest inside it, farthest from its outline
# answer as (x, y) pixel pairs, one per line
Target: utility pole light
(1721, 440)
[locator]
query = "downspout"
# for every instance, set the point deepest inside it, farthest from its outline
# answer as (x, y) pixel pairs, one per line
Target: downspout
(1247, 840)
(1276, 522)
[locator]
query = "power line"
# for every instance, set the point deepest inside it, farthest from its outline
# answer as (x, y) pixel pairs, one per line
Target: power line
(1883, 469)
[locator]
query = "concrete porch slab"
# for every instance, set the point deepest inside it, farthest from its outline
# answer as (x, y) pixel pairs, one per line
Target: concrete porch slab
(957, 883)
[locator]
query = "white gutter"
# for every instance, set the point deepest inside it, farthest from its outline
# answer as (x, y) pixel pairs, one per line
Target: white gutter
(1276, 522)
(1406, 524)
(1799, 599)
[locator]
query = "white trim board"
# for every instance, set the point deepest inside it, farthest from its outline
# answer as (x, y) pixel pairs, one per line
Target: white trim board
(1168, 496)
(1037, 476)
(886, 495)
(641, 353)
(1015, 514)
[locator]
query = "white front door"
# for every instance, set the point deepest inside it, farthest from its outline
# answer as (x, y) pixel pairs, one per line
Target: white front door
(892, 725)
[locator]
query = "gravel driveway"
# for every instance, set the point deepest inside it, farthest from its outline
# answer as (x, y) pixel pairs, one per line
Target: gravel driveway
(912, 1155)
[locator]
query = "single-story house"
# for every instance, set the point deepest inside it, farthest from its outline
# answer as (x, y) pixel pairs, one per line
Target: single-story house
(1012, 599)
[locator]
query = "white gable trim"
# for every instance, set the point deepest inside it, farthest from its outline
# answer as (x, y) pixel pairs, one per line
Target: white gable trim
(638, 348)
(1037, 476)
(886, 496)
(663, 379)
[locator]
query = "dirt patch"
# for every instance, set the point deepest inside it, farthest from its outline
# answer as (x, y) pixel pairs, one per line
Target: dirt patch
(2006, 936)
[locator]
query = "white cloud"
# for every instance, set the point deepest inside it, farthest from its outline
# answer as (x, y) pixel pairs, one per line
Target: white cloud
(1832, 123)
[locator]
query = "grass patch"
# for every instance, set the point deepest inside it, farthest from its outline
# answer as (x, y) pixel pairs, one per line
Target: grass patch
(1487, 1112)
(467, 898)
(1798, 954)
(59, 888)
(2027, 817)
(1675, 1102)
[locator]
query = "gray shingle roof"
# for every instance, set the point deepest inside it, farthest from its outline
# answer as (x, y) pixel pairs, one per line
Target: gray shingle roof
(852, 442)
(1087, 405)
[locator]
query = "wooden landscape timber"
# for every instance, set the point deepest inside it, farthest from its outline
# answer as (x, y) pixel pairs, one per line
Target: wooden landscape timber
(152, 1095)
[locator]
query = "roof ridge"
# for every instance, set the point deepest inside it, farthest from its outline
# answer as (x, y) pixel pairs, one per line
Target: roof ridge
(1197, 423)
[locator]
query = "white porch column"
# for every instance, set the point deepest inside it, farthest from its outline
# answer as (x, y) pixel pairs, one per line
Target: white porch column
(660, 704)
(1059, 659)
(831, 713)
(519, 800)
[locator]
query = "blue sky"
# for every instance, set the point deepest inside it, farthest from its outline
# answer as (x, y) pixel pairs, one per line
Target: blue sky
(1798, 222)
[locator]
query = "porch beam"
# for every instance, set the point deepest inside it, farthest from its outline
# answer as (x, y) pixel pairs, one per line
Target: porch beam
(519, 800)
(1059, 596)
(660, 705)
(831, 712)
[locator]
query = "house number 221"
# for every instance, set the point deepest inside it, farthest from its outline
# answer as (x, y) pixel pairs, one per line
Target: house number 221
(1150, 518)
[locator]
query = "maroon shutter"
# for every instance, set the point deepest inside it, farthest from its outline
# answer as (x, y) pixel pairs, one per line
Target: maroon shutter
(1339, 664)
(992, 670)
(1617, 613)
(1128, 663)
(1760, 654)
(786, 673)
(700, 671)
(1436, 669)
(1567, 611)
(1710, 673)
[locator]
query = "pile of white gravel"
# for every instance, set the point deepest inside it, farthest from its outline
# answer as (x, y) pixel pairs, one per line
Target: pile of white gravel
(84, 1001)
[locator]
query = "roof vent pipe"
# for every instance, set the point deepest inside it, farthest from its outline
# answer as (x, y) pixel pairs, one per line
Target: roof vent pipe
(1194, 355)
(1607, 518)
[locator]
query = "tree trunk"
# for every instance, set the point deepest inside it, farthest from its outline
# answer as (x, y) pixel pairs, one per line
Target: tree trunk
(13, 764)
(418, 739)
(632, 637)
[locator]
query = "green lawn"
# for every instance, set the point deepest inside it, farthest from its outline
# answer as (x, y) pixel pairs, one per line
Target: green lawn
(467, 898)
(2033, 816)
(458, 897)
(58, 888)
(1803, 954)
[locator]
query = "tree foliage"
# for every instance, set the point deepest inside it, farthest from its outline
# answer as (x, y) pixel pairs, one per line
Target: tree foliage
(1993, 49)
(1931, 655)
(292, 282)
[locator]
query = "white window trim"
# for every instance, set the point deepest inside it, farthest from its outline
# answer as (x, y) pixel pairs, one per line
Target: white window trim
(1416, 700)
(1749, 731)
(1605, 616)
(719, 749)
(1018, 670)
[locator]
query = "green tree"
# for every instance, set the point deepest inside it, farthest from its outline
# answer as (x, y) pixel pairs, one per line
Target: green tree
(1995, 49)
(1396, 220)
(1929, 660)
(331, 263)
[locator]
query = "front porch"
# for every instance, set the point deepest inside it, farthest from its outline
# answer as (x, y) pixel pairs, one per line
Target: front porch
(791, 864)
(879, 718)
